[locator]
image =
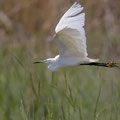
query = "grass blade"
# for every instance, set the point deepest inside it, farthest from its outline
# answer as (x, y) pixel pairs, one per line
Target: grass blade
(18, 60)
(32, 85)
(97, 101)
(24, 106)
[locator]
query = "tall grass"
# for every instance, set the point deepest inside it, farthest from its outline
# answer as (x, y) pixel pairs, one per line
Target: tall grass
(33, 93)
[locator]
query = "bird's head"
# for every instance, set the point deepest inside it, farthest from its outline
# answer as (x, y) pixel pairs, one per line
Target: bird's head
(52, 65)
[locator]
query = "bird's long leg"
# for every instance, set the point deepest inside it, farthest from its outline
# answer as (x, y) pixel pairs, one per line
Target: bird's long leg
(109, 64)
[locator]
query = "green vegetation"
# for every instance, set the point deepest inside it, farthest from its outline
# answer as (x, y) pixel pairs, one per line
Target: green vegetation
(31, 92)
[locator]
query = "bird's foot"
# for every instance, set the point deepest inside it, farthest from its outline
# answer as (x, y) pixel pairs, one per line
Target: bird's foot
(113, 64)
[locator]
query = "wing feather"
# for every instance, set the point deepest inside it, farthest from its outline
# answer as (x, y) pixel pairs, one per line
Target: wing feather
(70, 43)
(72, 18)
(70, 34)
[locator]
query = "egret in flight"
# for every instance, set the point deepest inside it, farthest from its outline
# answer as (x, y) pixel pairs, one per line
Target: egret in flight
(71, 40)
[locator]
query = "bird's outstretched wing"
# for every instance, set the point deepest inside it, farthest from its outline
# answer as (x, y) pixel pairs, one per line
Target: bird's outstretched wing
(70, 34)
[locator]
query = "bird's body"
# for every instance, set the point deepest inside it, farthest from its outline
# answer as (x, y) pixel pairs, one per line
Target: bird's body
(71, 40)
(58, 62)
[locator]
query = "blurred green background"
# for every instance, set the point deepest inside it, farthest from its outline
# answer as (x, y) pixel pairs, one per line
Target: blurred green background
(32, 92)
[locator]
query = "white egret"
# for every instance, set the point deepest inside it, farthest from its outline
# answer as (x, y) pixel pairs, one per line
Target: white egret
(71, 40)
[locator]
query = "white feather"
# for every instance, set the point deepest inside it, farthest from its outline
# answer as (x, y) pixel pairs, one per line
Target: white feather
(70, 34)
(71, 40)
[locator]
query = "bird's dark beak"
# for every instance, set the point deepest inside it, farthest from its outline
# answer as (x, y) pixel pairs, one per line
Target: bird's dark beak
(38, 62)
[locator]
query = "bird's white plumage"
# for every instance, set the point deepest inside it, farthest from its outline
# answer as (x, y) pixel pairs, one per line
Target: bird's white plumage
(70, 43)
(73, 18)
(71, 40)
(70, 34)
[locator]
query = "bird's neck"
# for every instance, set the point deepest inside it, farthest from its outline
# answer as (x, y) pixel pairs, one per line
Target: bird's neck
(53, 63)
